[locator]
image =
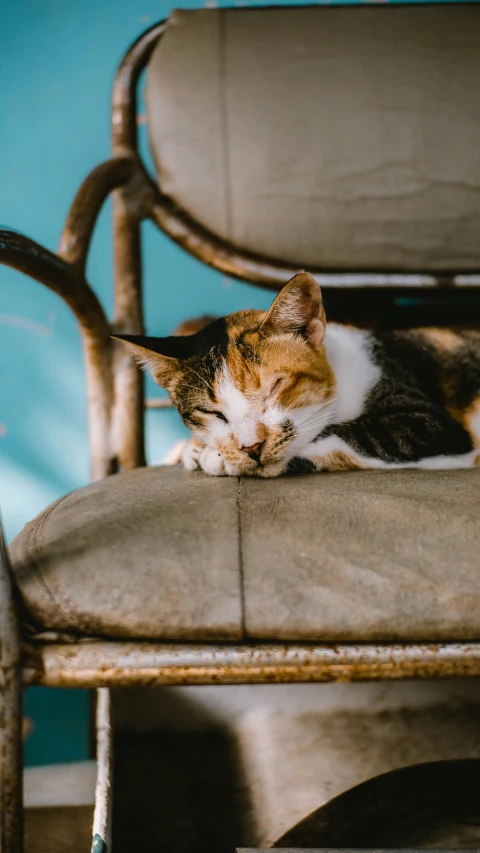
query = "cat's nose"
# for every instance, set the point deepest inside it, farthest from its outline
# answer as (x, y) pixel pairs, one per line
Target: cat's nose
(254, 450)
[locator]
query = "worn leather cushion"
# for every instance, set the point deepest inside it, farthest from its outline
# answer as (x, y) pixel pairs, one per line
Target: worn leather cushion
(343, 137)
(161, 553)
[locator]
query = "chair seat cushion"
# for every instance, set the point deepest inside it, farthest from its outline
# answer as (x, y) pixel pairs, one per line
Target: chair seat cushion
(165, 554)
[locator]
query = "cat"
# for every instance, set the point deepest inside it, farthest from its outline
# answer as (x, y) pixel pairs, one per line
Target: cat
(266, 393)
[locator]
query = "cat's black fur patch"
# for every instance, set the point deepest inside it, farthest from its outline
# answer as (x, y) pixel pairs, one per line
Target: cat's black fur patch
(297, 465)
(212, 337)
(201, 353)
(404, 419)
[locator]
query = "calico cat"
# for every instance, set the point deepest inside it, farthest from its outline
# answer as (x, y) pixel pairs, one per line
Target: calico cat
(271, 392)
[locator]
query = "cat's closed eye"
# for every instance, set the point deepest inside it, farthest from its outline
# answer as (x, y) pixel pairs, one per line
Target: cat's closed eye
(218, 415)
(276, 383)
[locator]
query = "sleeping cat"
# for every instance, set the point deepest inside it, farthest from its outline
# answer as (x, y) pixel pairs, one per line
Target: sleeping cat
(269, 392)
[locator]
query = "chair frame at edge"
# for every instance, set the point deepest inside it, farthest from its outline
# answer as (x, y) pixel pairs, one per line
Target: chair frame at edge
(116, 406)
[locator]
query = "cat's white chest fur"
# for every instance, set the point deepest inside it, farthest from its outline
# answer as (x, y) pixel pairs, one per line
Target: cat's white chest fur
(349, 353)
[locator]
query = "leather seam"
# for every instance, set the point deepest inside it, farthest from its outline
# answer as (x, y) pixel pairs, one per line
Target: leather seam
(33, 535)
(60, 592)
(241, 568)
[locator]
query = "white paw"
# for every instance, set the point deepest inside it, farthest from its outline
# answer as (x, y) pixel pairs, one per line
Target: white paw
(190, 455)
(211, 462)
(232, 470)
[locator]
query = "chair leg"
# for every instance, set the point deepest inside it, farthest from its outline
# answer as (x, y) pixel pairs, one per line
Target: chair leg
(11, 747)
(11, 803)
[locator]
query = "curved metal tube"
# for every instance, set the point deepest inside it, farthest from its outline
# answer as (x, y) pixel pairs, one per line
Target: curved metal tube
(209, 248)
(83, 213)
(11, 799)
(124, 124)
(260, 270)
(67, 281)
(215, 251)
(128, 414)
(27, 256)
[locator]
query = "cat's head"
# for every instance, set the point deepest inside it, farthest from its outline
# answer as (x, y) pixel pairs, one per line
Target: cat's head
(255, 385)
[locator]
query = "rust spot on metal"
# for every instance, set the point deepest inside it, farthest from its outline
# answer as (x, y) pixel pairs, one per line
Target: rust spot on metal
(99, 663)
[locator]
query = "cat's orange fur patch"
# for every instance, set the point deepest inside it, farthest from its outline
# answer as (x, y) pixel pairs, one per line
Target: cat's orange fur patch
(339, 460)
(274, 354)
(444, 339)
(472, 421)
(469, 418)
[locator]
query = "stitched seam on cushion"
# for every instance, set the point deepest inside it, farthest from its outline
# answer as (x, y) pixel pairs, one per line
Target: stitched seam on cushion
(32, 535)
(241, 568)
(223, 109)
(58, 588)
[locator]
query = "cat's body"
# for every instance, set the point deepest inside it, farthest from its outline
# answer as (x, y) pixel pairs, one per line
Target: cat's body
(416, 396)
(265, 393)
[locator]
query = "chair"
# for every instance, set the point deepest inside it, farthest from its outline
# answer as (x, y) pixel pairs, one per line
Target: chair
(360, 161)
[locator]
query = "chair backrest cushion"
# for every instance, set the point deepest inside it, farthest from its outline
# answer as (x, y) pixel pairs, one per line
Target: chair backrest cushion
(344, 138)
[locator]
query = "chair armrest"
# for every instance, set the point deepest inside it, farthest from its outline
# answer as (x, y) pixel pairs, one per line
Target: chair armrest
(34, 260)
(64, 273)
(68, 281)
(83, 213)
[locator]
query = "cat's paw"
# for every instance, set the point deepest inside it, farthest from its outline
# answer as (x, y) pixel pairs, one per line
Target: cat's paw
(191, 454)
(195, 455)
(211, 461)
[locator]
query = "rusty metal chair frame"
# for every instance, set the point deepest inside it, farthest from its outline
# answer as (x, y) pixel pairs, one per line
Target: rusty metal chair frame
(116, 407)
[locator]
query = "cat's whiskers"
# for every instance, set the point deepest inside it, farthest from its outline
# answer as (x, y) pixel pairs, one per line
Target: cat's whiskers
(315, 426)
(323, 403)
(307, 416)
(189, 385)
(316, 416)
(199, 376)
(306, 424)
(301, 445)
(310, 418)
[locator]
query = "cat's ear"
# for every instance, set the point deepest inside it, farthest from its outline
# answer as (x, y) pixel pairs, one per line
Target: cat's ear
(298, 308)
(155, 354)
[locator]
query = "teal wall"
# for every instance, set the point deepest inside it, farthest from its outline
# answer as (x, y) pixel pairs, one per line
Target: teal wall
(57, 59)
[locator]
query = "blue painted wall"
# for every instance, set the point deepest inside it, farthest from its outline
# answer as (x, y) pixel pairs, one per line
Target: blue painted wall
(59, 57)
(57, 60)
